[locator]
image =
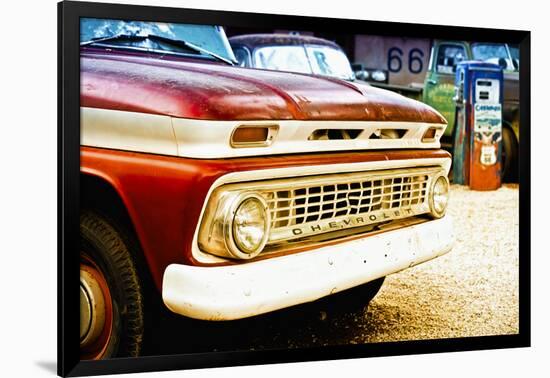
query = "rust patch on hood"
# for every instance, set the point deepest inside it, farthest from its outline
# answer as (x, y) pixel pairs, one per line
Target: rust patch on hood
(190, 89)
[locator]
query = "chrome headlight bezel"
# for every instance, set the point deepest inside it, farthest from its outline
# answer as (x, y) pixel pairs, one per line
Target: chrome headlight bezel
(433, 208)
(228, 226)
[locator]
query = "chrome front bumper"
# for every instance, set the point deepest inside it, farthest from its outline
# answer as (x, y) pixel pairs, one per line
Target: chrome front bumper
(248, 289)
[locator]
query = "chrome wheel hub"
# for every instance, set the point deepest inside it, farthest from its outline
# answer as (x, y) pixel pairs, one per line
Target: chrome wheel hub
(92, 306)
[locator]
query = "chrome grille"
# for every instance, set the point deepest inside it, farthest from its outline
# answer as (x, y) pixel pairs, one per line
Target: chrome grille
(314, 203)
(390, 195)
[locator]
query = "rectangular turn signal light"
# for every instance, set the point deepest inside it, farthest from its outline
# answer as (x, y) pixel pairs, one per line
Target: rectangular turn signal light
(429, 135)
(253, 136)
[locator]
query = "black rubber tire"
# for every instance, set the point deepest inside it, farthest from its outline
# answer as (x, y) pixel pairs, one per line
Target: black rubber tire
(354, 299)
(102, 243)
(510, 156)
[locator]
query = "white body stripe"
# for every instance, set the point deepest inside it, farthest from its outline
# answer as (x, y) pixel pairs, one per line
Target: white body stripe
(127, 131)
(206, 139)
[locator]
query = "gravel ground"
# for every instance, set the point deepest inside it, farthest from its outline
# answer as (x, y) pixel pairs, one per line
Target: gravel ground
(471, 291)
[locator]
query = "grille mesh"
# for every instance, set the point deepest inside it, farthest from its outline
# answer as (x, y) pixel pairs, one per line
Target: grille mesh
(304, 204)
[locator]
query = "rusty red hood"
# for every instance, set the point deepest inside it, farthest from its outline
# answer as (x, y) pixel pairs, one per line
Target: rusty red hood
(191, 89)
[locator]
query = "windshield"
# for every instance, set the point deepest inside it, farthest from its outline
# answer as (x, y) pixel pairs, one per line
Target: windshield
(329, 62)
(318, 60)
(208, 37)
(493, 53)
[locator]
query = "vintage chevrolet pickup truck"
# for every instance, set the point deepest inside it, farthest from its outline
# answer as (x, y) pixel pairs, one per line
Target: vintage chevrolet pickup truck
(231, 192)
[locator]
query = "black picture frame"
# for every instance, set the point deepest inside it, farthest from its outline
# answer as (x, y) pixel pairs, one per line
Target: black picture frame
(69, 14)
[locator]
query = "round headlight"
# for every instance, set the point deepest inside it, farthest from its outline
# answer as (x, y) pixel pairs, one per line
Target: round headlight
(439, 196)
(249, 227)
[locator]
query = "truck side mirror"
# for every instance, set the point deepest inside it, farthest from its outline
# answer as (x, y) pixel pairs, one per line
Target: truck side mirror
(458, 98)
(459, 92)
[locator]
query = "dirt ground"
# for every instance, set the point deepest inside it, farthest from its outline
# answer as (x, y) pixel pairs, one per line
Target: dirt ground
(471, 291)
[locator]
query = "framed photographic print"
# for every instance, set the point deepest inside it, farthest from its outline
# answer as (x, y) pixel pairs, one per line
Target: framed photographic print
(240, 188)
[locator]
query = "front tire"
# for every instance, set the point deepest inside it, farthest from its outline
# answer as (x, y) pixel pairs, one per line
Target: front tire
(111, 299)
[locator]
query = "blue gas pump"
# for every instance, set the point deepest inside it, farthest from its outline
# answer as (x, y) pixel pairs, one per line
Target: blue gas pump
(477, 139)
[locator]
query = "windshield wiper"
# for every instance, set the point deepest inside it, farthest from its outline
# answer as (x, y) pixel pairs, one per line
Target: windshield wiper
(175, 42)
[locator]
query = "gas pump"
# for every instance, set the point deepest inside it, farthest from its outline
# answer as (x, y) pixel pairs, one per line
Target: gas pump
(477, 139)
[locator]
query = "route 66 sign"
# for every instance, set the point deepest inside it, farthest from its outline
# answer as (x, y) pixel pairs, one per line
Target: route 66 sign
(488, 129)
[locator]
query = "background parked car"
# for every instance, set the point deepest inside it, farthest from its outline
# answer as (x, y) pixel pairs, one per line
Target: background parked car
(438, 89)
(299, 53)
